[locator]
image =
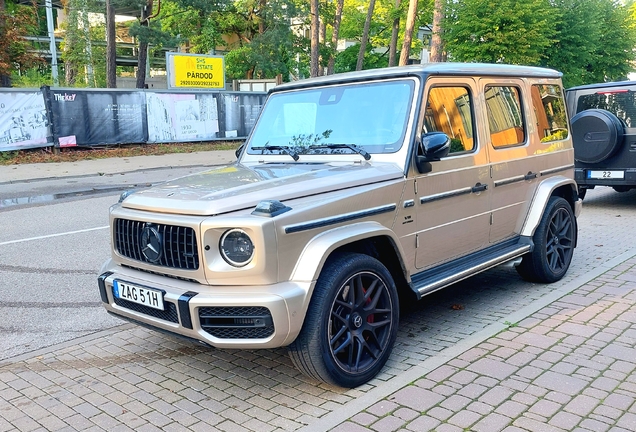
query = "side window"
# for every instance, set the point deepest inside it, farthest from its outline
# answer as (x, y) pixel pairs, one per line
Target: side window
(505, 117)
(549, 110)
(450, 110)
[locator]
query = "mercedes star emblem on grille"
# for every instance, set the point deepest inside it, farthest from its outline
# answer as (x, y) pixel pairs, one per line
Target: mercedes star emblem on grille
(151, 243)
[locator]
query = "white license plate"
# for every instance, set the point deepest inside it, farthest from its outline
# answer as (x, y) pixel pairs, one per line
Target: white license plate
(141, 295)
(608, 175)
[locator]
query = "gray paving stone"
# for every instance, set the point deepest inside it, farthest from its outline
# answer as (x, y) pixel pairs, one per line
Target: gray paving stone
(416, 398)
(565, 420)
(388, 424)
(560, 382)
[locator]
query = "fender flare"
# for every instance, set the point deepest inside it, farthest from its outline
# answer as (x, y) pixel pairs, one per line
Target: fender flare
(540, 200)
(313, 257)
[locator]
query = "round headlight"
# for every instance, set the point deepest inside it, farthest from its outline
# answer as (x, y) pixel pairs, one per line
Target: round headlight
(236, 247)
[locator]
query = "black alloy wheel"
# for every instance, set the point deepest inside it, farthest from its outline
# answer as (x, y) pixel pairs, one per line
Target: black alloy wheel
(360, 322)
(554, 241)
(351, 323)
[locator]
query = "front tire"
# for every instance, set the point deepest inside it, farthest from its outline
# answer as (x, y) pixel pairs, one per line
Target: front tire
(554, 242)
(351, 323)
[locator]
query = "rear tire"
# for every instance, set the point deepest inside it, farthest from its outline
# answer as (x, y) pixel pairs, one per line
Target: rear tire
(554, 241)
(351, 323)
(622, 188)
(582, 191)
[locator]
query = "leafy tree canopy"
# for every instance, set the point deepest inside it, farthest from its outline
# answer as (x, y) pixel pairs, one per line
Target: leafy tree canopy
(16, 21)
(595, 41)
(499, 31)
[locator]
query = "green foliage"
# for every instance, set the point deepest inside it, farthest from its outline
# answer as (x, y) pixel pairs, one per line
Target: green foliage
(32, 78)
(347, 59)
(499, 31)
(7, 156)
(595, 41)
(16, 21)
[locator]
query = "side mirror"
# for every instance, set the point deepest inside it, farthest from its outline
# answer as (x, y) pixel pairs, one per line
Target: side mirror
(435, 145)
(239, 150)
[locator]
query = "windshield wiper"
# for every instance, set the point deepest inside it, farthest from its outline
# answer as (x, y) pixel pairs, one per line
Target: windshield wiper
(285, 149)
(353, 147)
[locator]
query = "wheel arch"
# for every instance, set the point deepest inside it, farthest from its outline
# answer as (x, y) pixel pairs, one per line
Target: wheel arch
(561, 186)
(369, 238)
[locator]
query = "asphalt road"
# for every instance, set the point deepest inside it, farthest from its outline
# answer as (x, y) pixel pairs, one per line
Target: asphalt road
(51, 250)
(53, 240)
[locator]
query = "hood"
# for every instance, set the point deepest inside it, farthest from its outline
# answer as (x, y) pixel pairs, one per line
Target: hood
(235, 187)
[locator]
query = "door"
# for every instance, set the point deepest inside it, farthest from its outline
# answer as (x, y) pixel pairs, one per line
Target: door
(452, 198)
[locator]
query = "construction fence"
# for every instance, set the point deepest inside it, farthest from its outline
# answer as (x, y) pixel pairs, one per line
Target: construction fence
(66, 117)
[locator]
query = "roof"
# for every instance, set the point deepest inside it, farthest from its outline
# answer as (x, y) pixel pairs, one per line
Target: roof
(444, 68)
(603, 85)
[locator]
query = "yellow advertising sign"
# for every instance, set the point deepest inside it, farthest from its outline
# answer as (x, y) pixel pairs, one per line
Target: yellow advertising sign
(196, 71)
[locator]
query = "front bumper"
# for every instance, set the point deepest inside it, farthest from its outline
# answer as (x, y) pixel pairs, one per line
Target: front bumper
(247, 317)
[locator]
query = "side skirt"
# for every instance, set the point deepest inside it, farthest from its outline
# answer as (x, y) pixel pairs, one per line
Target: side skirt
(436, 278)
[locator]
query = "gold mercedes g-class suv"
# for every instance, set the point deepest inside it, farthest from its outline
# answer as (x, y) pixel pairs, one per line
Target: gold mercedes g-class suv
(353, 191)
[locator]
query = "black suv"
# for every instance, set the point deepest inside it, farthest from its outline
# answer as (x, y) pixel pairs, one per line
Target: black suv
(604, 135)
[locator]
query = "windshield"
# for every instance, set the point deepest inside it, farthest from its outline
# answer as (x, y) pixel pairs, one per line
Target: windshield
(368, 117)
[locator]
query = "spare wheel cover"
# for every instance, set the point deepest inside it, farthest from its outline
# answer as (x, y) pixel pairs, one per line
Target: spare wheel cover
(596, 135)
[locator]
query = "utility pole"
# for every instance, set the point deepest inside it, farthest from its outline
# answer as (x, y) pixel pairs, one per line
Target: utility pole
(52, 47)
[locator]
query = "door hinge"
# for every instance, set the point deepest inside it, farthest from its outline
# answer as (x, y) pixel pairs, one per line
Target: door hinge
(417, 241)
(492, 219)
(415, 186)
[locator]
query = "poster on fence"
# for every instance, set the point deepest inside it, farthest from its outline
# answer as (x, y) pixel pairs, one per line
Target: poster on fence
(239, 113)
(182, 117)
(23, 121)
(95, 117)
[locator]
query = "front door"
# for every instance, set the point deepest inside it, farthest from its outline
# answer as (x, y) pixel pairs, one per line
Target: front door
(453, 197)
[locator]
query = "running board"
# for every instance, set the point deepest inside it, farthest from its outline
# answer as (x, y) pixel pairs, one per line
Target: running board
(446, 274)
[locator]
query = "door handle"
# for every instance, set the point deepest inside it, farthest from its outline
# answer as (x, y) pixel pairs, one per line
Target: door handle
(479, 188)
(530, 176)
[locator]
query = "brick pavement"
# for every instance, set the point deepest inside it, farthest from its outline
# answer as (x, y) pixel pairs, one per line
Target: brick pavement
(513, 356)
(570, 366)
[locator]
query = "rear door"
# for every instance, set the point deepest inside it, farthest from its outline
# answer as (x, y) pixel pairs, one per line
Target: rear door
(527, 125)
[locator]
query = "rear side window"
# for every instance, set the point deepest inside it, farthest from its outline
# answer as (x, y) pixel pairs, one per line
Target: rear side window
(450, 110)
(622, 103)
(505, 117)
(549, 110)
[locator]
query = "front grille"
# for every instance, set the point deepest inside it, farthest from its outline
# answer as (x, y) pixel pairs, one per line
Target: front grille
(178, 245)
(170, 314)
(251, 322)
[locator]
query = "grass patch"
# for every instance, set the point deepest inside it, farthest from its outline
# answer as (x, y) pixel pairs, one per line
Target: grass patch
(72, 154)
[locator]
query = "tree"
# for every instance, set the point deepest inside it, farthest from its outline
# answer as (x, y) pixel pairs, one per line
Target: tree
(111, 55)
(365, 35)
(503, 31)
(16, 21)
(408, 33)
(437, 48)
(395, 30)
(334, 36)
(315, 49)
(255, 35)
(595, 40)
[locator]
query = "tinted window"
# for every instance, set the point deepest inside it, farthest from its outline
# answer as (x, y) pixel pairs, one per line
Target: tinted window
(505, 118)
(450, 110)
(549, 111)
(621, 103)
